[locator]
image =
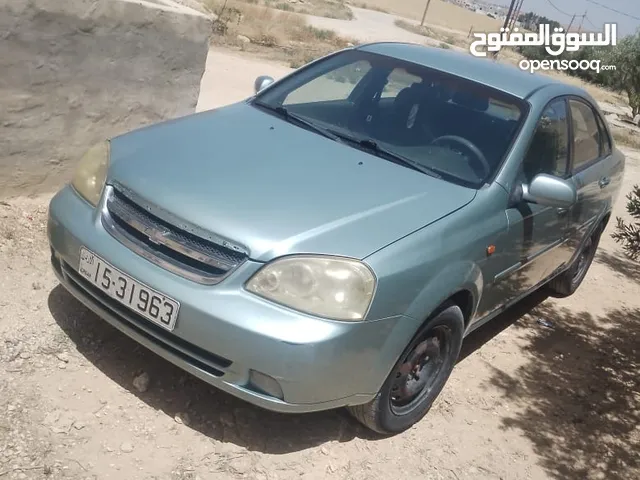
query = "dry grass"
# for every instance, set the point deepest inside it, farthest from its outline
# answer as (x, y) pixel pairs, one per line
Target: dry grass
(443, 36)
(601, 94)
(320, 8)
(440, 13)
(626, 137)
(369, 6)
(7, 233)
(280, 35)
(412, 27)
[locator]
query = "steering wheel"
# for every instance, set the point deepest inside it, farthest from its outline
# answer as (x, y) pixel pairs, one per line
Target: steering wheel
(468, 147)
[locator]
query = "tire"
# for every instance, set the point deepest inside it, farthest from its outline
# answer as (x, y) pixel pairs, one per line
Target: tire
(566, 284)
(432, 352)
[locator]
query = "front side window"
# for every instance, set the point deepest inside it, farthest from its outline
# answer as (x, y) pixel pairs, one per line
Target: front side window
(587, 141)
(549, 148)
(406, 113)
(334, 85)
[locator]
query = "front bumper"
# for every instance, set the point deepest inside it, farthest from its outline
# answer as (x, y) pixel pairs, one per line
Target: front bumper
(224, 335)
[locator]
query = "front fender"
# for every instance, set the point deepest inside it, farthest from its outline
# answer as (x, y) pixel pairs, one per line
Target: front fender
(419, 299)
(464, 276)
(454, 278)
(419, 272)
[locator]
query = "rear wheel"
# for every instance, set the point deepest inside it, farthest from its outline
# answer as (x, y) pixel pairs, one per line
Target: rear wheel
(418, 377)
(567, 283)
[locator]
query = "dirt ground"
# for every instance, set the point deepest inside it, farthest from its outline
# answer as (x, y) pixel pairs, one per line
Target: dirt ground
(370, 26)
(526, 401)
(440, 13)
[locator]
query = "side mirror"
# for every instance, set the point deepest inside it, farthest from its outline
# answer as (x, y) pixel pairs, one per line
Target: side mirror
(550, 191)
(262, 82)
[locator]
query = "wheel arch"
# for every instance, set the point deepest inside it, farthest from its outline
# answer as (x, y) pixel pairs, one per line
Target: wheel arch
(465, 300)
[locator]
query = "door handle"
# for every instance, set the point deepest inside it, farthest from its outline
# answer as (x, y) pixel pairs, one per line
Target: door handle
(562, 211)
(604, 181)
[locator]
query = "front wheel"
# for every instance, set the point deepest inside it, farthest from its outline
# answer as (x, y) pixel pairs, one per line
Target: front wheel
(418, 377)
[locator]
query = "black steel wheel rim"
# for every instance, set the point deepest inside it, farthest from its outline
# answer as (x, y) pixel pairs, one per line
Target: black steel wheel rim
(420, 370)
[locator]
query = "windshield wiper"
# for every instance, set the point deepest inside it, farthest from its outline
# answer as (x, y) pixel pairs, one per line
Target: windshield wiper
(362, 143)
(294, 118)
(377, 149)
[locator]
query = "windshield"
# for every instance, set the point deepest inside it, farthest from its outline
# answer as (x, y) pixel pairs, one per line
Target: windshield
(455, 128)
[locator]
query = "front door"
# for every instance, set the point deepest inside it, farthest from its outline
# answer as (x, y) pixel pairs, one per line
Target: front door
(538, 234)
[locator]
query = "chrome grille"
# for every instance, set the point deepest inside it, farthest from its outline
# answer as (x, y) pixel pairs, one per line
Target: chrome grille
(176, 249)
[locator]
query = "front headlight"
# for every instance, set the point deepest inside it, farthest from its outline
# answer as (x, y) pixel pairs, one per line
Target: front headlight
(91, 173)
(330, 287)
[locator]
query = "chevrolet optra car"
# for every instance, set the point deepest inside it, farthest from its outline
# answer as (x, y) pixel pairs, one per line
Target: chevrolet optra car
(330, 241)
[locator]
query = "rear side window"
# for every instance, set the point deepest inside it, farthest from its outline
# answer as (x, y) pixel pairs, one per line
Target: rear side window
(398, 80)
(548, 152)
(604, 136)
(587, 137)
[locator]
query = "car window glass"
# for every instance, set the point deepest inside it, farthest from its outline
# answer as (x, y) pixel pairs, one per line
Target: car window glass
(448, 126)
(548, 151)
(398, 80)
(503, 110)
(335, 85)
(604, 136)
(586, 134)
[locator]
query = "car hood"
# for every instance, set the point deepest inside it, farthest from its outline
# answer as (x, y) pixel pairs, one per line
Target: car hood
(276, 188)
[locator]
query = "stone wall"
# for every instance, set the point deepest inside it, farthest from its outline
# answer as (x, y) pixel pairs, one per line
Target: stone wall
(73, 72)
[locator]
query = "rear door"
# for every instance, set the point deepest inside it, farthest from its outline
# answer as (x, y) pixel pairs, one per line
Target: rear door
(591, 166)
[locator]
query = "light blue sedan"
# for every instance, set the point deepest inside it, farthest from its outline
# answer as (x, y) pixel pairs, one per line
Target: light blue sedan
(330, 241)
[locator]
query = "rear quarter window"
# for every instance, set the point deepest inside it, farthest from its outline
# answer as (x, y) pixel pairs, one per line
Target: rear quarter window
(587, 139)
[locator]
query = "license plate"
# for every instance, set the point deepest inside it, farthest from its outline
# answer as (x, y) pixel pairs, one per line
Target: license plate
(149, 303)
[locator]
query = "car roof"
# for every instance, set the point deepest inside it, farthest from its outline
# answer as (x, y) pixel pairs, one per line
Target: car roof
(508, 78)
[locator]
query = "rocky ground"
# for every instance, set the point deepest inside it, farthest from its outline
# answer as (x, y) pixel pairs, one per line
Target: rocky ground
(548, 390)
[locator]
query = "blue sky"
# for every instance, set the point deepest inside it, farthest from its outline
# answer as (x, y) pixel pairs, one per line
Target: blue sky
(595, 13)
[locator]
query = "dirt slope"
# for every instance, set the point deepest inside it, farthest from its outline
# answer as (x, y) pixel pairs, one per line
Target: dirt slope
(76, 72)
